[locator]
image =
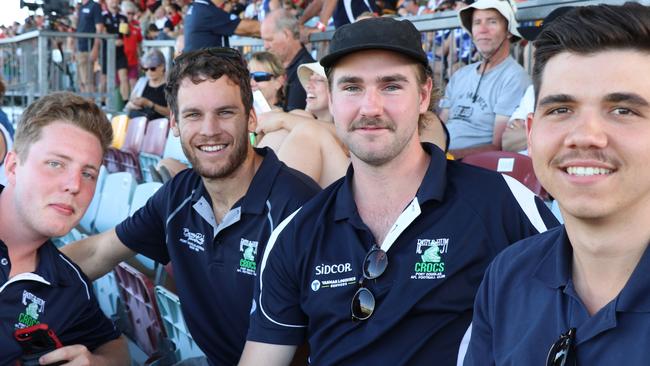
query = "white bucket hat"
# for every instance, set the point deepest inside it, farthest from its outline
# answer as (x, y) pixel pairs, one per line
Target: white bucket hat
(504, 7)
(305, 71)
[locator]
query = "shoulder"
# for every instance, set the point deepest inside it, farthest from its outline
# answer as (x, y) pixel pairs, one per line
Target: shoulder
(69, 272)
(292, 179)
(520, 259)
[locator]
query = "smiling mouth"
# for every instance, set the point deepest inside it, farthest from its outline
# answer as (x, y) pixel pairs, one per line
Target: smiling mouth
(581, 171)
(212, 148)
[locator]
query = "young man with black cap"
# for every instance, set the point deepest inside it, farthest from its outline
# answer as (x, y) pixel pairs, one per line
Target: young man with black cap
(480, 97)
(578, 294)
(382, 266)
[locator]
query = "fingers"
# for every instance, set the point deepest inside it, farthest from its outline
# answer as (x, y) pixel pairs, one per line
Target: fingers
(76, 355)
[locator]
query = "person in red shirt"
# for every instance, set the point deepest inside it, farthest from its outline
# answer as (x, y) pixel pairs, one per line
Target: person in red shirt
(132, 42)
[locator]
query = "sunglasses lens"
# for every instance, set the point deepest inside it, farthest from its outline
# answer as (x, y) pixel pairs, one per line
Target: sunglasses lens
(561, 352)
(261, 76)
(363, 304)
(375, 264)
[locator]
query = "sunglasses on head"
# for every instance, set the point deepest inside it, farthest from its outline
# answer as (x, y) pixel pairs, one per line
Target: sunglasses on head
(562, 352)
(261, 76)
(363, 301)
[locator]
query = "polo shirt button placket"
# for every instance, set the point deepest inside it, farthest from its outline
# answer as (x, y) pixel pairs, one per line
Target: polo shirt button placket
(4, 261)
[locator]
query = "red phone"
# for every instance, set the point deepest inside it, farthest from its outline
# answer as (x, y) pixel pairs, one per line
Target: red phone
(36, 341)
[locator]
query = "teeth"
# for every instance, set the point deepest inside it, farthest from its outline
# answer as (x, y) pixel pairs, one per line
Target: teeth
(212, 148)
(587, 171)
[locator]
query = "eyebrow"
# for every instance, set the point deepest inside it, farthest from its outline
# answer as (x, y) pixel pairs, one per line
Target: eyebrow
(218, 109)
(380, 79)
(631, 98)
(556, 99)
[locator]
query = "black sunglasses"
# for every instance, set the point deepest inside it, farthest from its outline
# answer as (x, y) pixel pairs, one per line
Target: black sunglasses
(150, 68)
(259, 76)
(374, 265)
(562, 352)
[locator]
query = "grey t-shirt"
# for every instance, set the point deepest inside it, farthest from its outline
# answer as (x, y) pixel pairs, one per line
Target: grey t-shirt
(472, 123)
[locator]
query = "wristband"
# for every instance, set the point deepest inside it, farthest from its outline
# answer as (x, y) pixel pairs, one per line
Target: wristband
(321, 27)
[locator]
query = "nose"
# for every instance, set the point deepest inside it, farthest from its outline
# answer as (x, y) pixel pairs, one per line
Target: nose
(253, 84)
(210, 125)
(372, 104)
(589, 131)
(73, 181)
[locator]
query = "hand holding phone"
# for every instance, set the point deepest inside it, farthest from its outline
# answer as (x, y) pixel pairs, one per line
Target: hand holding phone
(36, 341)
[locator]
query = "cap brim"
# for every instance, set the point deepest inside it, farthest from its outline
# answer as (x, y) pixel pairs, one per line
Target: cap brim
(329, 60)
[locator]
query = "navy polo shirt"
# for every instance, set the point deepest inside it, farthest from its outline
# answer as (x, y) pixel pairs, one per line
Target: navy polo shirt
(313, 261)
(57, 294)
(528, 299)
(296, 96)
(346, 12)
(215, 277)
(89, 15)
(206, 25)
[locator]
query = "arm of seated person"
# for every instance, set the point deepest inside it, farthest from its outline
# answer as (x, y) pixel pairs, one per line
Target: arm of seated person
(499, 125)
(514, 136)
(248, 27)
(257, 353)
(98, 254)
(111, 353)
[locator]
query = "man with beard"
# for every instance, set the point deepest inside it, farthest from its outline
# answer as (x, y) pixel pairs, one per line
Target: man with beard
(212, 221)
(326, 275)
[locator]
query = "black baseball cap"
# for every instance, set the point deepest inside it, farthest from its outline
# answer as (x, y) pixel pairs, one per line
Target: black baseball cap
(381, 33)
(531, 32)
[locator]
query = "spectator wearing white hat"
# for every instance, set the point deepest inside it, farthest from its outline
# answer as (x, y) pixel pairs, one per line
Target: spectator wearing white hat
(480, 97)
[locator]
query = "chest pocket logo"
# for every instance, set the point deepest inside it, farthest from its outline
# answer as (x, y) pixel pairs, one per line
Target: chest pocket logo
(34, 307)
(432, 264)
(248, 250)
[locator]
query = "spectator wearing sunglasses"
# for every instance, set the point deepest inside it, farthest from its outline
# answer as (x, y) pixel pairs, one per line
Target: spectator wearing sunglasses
(268, 76)
(381, 268)
(148, 96)
(211, 221)
(578, 294)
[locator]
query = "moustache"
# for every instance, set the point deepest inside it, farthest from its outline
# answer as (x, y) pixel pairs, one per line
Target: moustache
(597, 155)
(366, 122)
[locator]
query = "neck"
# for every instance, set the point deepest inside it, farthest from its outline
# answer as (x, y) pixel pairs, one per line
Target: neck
(323, 115)
(21, 243)
(224, 192)
(292, 53)
(396, 183)
(499, 55)
(605, 253)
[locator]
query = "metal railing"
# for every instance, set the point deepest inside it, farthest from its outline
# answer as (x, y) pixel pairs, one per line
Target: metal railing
(31, 66)
(40, 62)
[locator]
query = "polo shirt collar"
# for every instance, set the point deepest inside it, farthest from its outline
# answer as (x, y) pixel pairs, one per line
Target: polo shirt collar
(254, 201)
(432, 187)
(297, 57)
(46, 269)
(634, 296)
(555, 271)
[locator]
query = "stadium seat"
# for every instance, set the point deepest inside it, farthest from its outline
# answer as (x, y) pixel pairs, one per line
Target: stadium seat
(123, 161)
(174, 324)
(87, 223)
(134, 135)
(513, 164)
(174, 150)
(136, 291)
(119, 124)
(153, 146)
(115, 201)
(107, 294)
(140, 196)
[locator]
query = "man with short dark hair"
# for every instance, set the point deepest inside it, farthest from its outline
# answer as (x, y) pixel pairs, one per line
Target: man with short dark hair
(281, 36)
(480, 97)
(211, 221)
(51, 172)
(578, 294)
(381, 267)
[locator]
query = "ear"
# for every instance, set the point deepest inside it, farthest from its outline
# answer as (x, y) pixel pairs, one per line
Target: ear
(425, 95)
(529, 125)
(173, 123)
(252, 121)
(10, 166)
